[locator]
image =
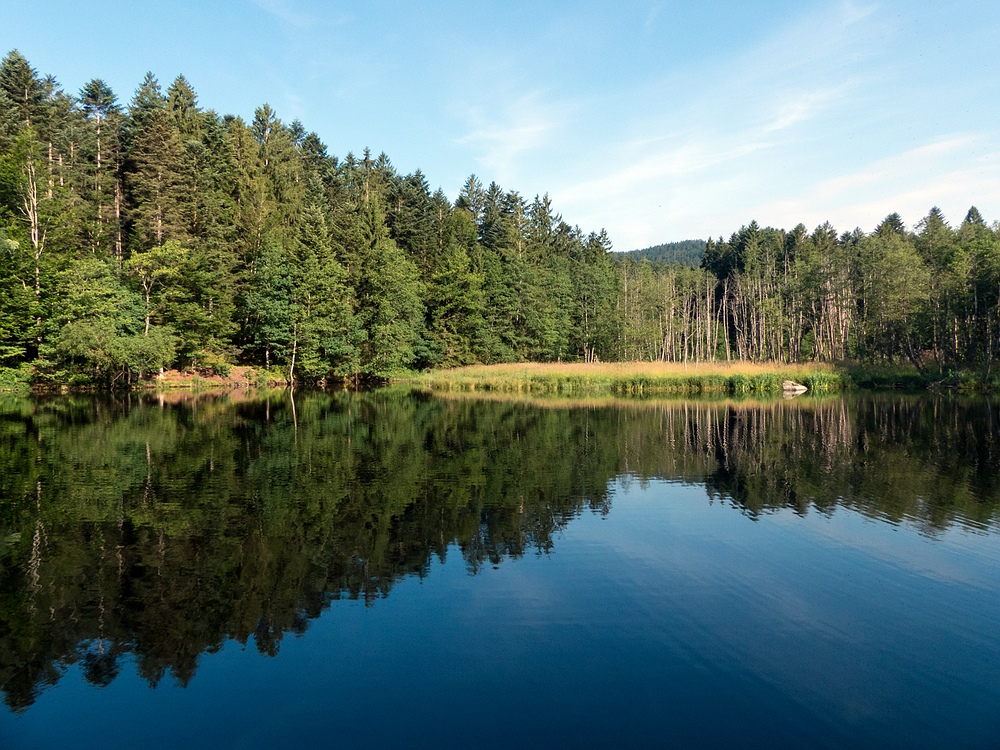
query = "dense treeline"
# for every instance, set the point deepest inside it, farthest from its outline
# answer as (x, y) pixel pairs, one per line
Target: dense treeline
(157, 531)
(929, 298)
(161, 234)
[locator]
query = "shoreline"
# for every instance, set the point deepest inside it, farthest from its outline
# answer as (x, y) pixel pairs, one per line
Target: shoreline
(559, 378)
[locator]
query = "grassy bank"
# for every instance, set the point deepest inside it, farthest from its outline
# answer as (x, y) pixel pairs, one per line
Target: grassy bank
(907, 378)
(718, 379)
(633, 378)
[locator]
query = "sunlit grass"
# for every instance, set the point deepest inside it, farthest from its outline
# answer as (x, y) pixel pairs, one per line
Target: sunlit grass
(633, 378)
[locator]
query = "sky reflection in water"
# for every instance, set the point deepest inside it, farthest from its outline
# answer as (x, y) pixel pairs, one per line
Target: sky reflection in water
(745, 582)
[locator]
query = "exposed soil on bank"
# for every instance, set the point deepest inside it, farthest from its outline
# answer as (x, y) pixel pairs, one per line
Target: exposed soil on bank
(238, 377)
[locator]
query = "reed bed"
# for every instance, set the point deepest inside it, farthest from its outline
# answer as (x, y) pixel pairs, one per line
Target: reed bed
(633, 378)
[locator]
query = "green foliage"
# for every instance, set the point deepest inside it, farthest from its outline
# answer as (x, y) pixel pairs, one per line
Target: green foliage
(17, 379)
(248, 243)
(23, 90)
(324, 330)
(389, 291)
(110, 356)
(457, 308)
(623, 379)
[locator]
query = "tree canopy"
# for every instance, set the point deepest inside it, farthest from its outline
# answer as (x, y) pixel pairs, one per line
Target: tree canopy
(161, 234)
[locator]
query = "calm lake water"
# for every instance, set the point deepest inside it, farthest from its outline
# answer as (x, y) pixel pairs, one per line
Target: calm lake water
(395, 569)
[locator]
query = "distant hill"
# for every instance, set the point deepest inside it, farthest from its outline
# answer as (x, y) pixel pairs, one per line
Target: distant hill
(686, 252)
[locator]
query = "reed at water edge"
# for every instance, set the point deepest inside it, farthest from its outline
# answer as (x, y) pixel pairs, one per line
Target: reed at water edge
(633, 378)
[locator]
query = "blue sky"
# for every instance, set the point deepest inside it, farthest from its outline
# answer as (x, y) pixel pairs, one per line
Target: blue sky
(659, 121)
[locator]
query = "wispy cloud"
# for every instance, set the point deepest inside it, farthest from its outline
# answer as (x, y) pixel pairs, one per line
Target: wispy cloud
(950, 172)
(904, 165)
(287, 12)
(296, 14)
(743, 134)
(502, 137)
(804, 106)
(652, 15)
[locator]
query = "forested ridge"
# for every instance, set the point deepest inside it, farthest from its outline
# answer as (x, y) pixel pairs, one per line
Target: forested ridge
(158, 233)
(685, 252)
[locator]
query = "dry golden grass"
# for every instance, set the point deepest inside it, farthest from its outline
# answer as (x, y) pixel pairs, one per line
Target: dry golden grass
(631, 377)
(631, 369)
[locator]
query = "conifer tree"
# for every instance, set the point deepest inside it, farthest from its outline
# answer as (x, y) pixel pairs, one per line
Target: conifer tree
(268, 307)
(456, 309)
(103, 190)
(389, 292)
(23, 90)
(324, 334)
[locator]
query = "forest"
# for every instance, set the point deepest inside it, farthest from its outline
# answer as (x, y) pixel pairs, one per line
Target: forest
(160, 234)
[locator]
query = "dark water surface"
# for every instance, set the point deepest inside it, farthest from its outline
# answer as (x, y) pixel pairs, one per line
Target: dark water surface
(391, 569)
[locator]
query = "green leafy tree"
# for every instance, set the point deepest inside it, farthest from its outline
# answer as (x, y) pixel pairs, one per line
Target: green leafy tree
(17, 301)
(156, 271)
(268, 306)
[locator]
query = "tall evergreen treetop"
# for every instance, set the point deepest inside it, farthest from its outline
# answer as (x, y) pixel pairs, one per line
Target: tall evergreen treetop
(893, 223)
(472, 198)
(97, 100)
(148, 99)
(182, 103)
(974, 217)
(23, 88)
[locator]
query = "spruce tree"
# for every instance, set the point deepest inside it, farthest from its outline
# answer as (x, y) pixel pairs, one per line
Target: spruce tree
(324, 334)
(102, 217)
(158, 186)
(23, 90)
(389, 292)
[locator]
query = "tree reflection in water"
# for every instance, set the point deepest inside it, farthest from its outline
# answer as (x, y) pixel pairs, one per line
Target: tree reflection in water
(158, 528)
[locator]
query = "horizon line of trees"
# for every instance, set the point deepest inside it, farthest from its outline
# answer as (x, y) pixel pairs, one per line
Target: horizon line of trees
(162, 234)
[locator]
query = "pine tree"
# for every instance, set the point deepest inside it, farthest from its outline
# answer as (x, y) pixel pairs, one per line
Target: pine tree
(389, 294)
(268, 306)
(281, 166)
(23, 89)
(456, 309)
(102, 218)
(158, 190)
(324, 334)
(182, 104)
(147, 100)
(410, 218)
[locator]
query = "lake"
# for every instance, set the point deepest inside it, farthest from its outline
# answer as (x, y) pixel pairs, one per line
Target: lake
(394, 568)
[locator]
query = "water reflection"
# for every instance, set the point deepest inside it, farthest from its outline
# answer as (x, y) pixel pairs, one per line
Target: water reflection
(158, 528)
